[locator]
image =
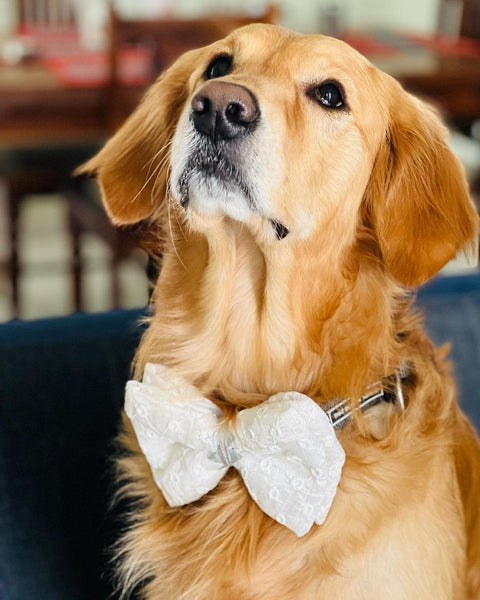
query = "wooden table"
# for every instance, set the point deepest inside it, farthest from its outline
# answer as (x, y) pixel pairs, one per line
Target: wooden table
(47, 129)
(35, 108)
(443, 71)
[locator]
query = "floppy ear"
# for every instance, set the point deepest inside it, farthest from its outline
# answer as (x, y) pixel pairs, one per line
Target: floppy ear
(131, 168)
(418, 195)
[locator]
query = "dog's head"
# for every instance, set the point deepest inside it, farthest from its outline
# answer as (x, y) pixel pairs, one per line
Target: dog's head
(294, 136)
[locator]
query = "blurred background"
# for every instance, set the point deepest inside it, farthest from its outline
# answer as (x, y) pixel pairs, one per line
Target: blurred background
(72, 70)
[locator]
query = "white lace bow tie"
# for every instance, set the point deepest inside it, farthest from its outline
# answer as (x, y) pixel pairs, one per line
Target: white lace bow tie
(285, 449)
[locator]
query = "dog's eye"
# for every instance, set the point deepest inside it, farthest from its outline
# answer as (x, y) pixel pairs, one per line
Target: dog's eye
(219, 66)
(328, 94)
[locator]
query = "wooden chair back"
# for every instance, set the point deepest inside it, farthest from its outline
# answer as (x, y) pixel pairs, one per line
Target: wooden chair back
(45, 14)
(470, 26)
(167, 39)
(459, 18)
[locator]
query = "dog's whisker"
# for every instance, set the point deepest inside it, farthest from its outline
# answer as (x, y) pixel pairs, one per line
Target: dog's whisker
(151, 175)
(157, 154)
(169, 219)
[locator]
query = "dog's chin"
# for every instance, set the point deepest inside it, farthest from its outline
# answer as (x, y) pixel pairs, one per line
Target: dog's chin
(210, 196)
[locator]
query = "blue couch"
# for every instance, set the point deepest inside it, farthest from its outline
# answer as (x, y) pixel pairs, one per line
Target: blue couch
(61, 393)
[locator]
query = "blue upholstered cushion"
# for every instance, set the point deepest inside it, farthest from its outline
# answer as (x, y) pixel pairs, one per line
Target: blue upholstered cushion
(451, 307)
(61, 390)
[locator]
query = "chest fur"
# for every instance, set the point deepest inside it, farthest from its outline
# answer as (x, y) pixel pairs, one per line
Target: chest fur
(369, 548)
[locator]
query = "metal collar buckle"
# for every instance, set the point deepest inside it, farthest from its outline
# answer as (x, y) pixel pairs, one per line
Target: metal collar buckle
(339, 413)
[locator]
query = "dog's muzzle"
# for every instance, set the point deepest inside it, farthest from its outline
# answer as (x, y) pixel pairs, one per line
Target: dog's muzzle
(217, 174)
(224, 111)
(221, 115)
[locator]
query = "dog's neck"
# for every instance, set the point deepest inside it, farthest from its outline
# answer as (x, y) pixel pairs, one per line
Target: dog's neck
(249, 323)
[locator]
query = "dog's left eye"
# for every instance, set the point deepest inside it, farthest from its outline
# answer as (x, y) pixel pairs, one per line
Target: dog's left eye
(328, 94)
(218, 67)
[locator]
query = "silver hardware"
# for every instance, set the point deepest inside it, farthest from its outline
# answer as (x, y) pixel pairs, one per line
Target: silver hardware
(340, 413)
(398, 388)
(227, 451)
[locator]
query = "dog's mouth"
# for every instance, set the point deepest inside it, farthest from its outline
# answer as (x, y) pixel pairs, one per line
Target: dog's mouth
(211, 163)
(214, 180)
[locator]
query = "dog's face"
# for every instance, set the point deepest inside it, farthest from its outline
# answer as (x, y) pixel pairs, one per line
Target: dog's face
(277, 131)
(298, 138)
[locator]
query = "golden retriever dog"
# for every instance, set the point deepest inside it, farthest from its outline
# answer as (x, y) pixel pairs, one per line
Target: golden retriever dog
(297, 195)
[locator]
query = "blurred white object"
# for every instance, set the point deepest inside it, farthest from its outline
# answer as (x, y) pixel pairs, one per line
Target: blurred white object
(143, 9)
(14, 50)
(332, 20)
(476, 130)
(92, 18)
(468, 151)
(450, 18)
(9, 17)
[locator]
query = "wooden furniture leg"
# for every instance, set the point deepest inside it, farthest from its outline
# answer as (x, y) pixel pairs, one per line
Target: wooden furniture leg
(13, 202)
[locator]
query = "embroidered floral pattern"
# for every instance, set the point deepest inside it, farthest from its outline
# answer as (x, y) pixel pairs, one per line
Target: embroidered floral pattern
(285, 449)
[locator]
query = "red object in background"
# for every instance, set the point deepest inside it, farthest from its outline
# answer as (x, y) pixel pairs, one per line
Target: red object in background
(448, 46)
(60, 51)
(49, 41)
(387, 43)
(92, 69)
(368, 44)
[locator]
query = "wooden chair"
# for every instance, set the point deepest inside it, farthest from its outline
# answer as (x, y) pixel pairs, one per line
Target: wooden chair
(37, 166)
(47, 169)
(470, 24)
(459, 18)
(167, 39)
(42, 14)
(40, 166)
(35, 169)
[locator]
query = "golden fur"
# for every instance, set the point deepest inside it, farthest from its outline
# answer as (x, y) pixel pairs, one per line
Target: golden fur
(375, 202)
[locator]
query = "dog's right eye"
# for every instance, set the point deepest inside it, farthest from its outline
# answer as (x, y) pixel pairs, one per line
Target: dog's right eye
(328, 94)
(218, 67)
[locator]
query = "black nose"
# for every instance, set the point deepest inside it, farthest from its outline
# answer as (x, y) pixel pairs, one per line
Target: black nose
(224, 111)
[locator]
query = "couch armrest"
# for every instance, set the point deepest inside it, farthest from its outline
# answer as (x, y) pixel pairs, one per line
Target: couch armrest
(452, 314)
(61, 391)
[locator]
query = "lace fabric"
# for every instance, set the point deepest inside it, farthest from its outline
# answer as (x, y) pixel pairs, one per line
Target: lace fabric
(285, 449)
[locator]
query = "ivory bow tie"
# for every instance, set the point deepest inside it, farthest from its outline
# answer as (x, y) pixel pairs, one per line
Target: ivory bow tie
(285, 449)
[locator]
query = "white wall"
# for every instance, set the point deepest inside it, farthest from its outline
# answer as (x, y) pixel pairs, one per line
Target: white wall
(8, 16)
(408, 15)
(304, 15)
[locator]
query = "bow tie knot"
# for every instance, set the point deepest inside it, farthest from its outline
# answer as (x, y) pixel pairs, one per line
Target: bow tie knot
(285, 449)
(227, 452)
